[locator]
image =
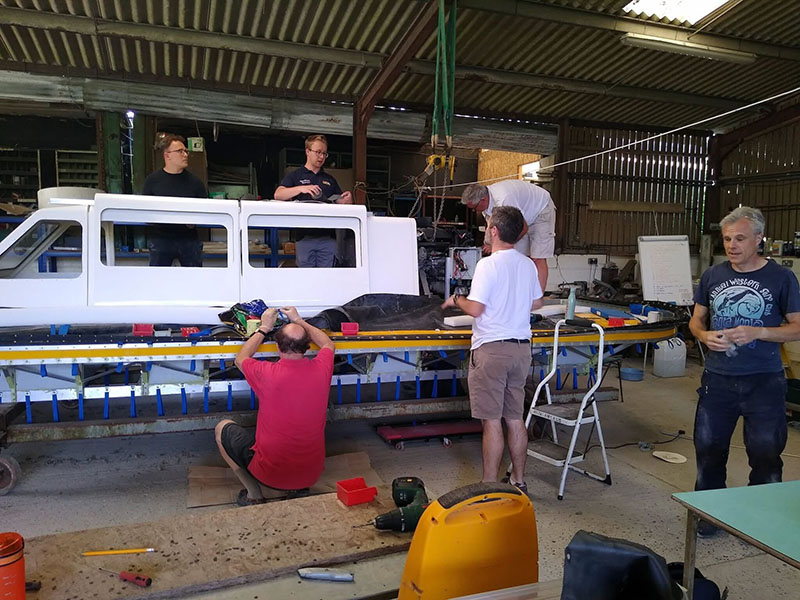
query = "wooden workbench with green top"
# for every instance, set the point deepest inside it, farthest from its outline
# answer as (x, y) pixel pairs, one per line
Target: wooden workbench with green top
(766, 516)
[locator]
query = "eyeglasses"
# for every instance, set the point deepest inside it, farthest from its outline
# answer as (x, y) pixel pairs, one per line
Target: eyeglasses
(181, 150)
(320, 153)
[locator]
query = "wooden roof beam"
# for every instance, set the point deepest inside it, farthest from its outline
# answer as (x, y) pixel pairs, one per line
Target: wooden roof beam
(729, 141)
(416, 35)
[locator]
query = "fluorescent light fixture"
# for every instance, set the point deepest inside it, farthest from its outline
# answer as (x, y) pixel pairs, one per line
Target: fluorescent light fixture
(690, 11)
(689, 48)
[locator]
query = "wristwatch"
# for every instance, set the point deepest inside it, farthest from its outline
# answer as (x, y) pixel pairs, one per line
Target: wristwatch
(262, 332)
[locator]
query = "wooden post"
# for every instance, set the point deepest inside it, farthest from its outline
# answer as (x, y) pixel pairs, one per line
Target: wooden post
(713, 209)
(360, 154)
(561, 199)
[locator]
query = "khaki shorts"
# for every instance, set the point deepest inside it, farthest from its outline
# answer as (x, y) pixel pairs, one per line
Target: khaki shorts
(540, 241)
(497, 375)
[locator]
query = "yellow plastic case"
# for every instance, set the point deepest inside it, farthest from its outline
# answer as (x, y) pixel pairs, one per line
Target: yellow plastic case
(477, 538)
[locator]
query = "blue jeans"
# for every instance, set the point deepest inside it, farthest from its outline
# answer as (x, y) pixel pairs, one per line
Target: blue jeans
(761, 401)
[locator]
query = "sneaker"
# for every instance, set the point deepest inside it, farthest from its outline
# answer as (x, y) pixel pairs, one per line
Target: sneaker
(521, 486)
(706, 529)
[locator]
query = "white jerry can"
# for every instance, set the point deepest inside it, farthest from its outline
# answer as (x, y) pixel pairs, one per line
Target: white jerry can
(669, 359)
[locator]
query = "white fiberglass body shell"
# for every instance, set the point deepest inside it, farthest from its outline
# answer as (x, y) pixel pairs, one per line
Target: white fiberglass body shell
(43, 282)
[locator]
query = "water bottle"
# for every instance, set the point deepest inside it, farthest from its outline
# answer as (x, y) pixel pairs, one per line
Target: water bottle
(571, 304)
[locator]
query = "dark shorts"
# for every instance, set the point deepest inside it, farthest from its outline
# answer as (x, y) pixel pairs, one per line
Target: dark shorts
(238, 443)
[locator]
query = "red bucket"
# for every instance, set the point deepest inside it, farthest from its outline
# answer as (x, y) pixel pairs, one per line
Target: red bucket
(12, 567)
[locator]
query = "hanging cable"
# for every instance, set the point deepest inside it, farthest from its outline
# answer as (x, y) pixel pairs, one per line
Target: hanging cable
(643, 140)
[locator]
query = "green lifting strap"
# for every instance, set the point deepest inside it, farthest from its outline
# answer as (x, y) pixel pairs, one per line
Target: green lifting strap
(443, 101)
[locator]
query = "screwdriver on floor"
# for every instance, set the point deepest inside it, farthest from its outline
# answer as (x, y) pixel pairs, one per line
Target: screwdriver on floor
(140, 580)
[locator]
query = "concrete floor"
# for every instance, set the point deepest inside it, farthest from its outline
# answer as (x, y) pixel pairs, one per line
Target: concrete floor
(83, 484)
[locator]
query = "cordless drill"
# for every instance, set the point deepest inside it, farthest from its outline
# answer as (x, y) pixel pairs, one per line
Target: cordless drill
(409, 495)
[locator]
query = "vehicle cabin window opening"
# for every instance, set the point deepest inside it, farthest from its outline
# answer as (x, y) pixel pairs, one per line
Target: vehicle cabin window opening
(272, 240)
(133, 233)
(51, 249)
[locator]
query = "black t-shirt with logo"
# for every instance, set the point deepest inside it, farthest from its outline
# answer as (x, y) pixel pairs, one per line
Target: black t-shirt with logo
(327, 183)
(304, 176)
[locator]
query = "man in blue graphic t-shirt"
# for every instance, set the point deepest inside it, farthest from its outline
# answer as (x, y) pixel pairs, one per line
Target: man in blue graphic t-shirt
(744, 308)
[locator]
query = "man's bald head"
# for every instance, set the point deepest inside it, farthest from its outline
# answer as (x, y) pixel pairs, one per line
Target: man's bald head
(292, 339)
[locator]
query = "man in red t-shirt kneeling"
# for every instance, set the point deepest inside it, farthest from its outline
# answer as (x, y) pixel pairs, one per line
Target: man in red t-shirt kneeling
(287, 449)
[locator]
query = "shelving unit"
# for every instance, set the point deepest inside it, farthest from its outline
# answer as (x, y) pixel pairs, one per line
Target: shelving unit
(19, 175)
(379, 172)
(76, 168)
(233, 182)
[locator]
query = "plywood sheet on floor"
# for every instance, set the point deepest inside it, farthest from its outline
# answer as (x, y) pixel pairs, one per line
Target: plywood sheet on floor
(198, 552)
(213, 486)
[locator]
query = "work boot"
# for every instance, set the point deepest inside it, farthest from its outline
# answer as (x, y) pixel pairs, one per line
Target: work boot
(244, 500)
(301, 493)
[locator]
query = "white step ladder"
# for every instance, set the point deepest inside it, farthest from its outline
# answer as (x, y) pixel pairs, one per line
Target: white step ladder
(570, 414)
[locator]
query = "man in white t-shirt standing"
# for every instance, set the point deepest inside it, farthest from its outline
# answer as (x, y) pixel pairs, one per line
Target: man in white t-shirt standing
(505, 289)
(537, 239)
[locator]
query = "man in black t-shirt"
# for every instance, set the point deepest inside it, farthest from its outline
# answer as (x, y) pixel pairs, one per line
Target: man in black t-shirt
(310, 183)
(168, 242)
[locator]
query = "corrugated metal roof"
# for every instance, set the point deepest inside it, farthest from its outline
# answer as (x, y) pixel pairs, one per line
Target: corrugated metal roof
(772, 22)
(331, 49)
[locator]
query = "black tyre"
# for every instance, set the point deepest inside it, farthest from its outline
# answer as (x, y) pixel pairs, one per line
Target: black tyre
(10, 473)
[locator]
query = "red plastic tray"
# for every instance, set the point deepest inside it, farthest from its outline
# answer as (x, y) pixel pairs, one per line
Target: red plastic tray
(354, 491)
(144, 329)
(349, 328)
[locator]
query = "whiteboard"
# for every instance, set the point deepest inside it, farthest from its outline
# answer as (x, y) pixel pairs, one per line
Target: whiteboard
(665, 268)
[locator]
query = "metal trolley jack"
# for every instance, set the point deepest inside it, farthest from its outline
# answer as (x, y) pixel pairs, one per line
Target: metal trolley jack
(570, 414)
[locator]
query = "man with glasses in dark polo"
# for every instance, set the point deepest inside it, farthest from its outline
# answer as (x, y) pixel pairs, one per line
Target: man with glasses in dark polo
(169, 242)
(310, 183)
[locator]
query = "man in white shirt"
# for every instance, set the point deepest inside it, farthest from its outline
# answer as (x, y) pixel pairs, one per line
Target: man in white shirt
(537, 239)
(505, 289)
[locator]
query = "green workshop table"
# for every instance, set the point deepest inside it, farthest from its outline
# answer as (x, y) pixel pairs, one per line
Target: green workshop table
(766, 516)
